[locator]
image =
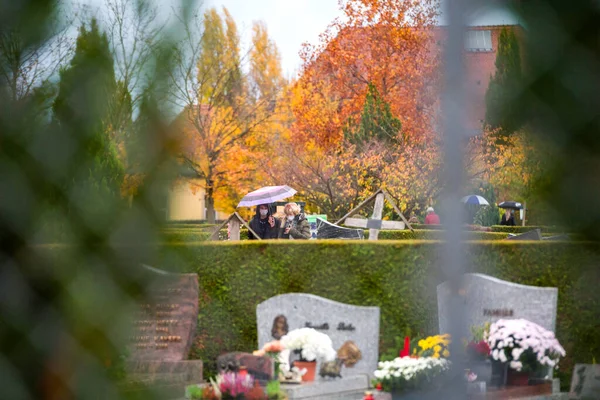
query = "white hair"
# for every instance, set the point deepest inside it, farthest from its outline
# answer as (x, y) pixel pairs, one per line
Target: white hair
(429, 210)
(291, 209)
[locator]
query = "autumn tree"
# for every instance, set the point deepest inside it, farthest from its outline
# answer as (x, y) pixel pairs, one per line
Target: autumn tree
(220, 116)
(266, 78)
(386, 43)
(501, 99)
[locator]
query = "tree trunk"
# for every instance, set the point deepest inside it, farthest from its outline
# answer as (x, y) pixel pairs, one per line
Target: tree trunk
(209, 202)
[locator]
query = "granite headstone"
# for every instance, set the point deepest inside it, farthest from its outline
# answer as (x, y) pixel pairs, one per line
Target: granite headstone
(163, 331)
(488, 299)
(341, 322)
(585, 384)
(535, 234)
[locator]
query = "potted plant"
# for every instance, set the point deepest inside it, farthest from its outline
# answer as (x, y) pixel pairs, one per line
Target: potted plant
(311, 346)
(525, 348)
(409, 378)
(435, 346)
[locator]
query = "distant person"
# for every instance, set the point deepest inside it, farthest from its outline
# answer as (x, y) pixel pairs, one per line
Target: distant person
(295, 225)
(413, 219)
(432, 218)
(264, 223)
(508, 218)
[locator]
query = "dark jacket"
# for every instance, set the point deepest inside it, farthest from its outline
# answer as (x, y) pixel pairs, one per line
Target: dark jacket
(262, 226)
(509, 222)
(300, 228)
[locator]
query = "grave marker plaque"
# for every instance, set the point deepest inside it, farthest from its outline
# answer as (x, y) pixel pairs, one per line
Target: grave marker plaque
(585, 384)
(489, 299)
(162, 334)
(166, 323)
(341, 322)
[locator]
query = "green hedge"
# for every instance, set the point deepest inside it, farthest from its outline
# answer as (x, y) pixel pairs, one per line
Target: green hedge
(189, 235)
(399, 277)
(523, 229)
(427, 234)
(184, 235)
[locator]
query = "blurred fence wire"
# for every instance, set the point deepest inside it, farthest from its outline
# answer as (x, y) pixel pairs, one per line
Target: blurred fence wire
(64, 307)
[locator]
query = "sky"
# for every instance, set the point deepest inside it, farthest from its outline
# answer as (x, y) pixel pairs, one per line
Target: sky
(289, 22)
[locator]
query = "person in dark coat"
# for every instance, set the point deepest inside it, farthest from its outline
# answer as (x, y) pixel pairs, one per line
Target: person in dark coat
(264, 223)
(508, 218)
(295, 226)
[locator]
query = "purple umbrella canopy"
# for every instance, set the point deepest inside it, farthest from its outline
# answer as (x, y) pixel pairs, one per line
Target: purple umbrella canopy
(266, 195)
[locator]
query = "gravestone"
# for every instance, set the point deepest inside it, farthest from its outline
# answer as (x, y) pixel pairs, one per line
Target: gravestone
(326, 230)
(163, 332)
(585, 384)
(341, 322)
(535, 234)
(489, 299)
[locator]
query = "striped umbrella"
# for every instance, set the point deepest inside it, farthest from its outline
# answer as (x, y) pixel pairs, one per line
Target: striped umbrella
(475, 200)
(266, 195)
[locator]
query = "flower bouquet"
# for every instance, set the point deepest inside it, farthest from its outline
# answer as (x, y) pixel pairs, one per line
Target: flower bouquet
(435, 346)
(408, 374)
(524, 345)
(311, 346)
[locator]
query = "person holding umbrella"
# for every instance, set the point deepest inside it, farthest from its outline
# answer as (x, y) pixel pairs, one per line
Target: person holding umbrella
(508, 218)
(264, 223)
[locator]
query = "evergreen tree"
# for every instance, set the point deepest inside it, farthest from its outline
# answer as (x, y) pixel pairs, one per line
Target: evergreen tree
(84, 111)
(376, 122)
(502, 105)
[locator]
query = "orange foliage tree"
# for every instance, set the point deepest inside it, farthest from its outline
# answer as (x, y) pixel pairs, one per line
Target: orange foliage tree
(387, 43)
(380, 63)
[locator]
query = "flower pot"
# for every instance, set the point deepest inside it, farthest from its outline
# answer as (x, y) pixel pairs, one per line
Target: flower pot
(483, 370)
(517, 378)
(311, 367)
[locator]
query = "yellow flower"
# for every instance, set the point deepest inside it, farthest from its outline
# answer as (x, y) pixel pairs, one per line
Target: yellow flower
(436, 355)
(446, 353)
(437, 349)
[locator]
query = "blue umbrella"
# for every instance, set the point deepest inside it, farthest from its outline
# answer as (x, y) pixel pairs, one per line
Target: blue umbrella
(475, 200)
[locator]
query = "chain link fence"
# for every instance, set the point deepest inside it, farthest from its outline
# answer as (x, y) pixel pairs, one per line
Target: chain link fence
(72, 241)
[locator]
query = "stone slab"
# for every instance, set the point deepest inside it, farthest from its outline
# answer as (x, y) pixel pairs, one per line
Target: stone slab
(346, 388)
(341, 322)
(535, 234)
(585, 383)
(488, 299)
(165, 324)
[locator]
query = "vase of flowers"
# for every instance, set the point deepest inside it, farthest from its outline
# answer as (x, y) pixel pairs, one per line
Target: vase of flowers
(525, 347)
(478, 354)
(311, 346)
(407, 377)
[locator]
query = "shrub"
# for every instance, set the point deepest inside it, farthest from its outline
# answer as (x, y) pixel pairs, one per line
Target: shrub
(399, 277)
(523, 229)
(428, 234)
